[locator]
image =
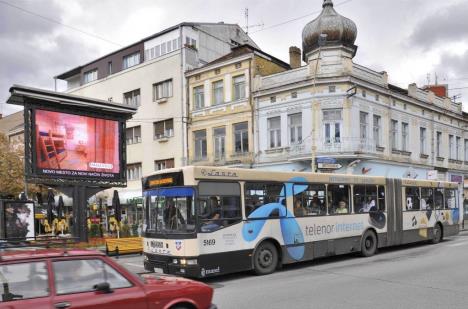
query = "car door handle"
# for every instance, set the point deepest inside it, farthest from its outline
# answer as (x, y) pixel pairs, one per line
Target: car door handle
(64, 304)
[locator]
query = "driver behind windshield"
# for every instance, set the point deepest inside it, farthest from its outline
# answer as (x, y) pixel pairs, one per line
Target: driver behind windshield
(172, 215)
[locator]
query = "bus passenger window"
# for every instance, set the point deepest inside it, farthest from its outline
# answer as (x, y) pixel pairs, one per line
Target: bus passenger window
(365, 198)
(381, 198)
(338, 199)
(439, 198)
(218, 205)
(450, 198)
(412, 198)
(259, 194)
(427, 199)
(309, 200)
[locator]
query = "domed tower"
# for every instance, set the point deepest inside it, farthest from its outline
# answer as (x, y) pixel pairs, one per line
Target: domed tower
(329, 29)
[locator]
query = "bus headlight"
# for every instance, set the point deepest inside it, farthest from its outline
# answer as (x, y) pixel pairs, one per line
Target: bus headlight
(188, 261)
(174, 261)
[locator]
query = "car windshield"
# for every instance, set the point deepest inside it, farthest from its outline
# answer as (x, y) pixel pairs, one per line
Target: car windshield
(171, 210)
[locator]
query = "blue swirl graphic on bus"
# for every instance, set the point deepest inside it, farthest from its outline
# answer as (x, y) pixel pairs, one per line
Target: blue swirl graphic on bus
(455, 215)
(290, 229)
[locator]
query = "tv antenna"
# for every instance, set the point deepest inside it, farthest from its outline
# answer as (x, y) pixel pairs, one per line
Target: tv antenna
(247, 26)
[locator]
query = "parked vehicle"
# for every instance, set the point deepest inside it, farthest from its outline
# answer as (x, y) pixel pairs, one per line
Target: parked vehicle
(56, 278)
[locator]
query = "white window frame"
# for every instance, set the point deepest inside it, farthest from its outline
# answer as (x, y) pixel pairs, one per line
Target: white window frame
(219, 143)
(404, 136)
(394, 134)
(332, 124)
(451, 146)
(90, 76)
(241, 134)
(134, 171)
(136, 138)
(238, 85)
(422, 140)
(200, 145)
(363, 125)
(274, 132)
(132, 97)
(377, 129)
(199, 97)
(438, 143)
(162, 90)
(295, 129)
(218, 92)
(168, 131)
(457, 147)
(131, 60)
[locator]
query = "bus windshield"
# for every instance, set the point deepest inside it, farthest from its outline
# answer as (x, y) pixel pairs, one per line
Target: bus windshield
(171, 210)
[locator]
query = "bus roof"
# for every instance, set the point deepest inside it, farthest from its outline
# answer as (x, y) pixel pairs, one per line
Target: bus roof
(192, 173)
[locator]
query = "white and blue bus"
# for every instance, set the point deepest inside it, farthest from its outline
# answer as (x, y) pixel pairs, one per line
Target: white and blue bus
(206, 221)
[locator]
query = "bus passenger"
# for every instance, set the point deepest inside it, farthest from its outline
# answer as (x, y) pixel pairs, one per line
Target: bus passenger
(367, 205)
(298, 209)
(342, 208)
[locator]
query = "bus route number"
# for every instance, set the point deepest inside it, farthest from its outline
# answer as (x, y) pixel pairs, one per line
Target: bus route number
(209, 242)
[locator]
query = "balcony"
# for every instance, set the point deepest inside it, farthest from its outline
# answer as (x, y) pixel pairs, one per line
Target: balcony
(348, 146)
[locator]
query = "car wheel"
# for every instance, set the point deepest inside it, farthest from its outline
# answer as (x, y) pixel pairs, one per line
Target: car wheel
(265, 258)
(368, 243)
(436, 234)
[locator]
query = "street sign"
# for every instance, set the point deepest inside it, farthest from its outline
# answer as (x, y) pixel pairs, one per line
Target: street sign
(326, 160)
(329, 166)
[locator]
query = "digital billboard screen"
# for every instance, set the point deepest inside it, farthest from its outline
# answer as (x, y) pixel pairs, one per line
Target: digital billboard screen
(68, 145)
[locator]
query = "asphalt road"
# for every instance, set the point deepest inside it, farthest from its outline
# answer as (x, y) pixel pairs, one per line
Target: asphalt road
(414, 276)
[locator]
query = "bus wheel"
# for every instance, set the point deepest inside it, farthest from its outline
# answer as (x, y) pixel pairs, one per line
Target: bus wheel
(368, 243)
(265, 258)
(436, 234)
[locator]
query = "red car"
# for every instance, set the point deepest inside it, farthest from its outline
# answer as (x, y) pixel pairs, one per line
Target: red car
(53, 278)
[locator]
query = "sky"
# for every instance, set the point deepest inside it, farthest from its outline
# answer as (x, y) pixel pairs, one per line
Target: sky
(412, 40)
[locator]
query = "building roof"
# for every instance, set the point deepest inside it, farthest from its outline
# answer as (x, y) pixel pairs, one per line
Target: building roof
(239, 51)
(9, 122)
(77, 70)
(18, 93)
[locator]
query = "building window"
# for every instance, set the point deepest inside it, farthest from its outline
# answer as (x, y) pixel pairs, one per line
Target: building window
(466, 150)
(239, 87)
(294, 95)
(332, 125)
(422, 140)
(219, 137)
(394, 102)
(162, 90)
(163, 129)
(363, 119)
(218, 71)
(457, 147)
(331, 89)
(90, 76)
(163, 164)
(238, 65)
(132, 97)
(133, 135)
(199, 97)
(394, 134)
(438, 143)
(274, 132)
(272, 99)
(197, 77)
(218, 92)
(364, 94)
(295, 128)
(131, 60)
(377, 97)
(109, 67)
(134, 171)
(404, 106)
(200, 144)
(377, 128)
(451, 148)
(241, 137)
(404, 136)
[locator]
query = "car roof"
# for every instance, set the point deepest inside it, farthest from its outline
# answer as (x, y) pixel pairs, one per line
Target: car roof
(18, 255)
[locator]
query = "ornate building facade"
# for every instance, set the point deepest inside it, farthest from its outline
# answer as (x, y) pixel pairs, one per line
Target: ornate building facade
(335, 115)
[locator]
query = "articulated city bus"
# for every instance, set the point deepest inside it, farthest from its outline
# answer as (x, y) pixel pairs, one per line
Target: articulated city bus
(205, 221)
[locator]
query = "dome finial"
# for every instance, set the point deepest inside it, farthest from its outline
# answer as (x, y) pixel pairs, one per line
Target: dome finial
(327, 3)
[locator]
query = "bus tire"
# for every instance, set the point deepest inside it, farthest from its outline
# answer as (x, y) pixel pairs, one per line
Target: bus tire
(437, 234)
(265, 258)
(369, 243)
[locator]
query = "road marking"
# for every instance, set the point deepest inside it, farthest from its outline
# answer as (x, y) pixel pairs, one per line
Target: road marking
(133, 264)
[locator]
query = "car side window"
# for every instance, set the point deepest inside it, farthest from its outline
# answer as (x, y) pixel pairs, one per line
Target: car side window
(76, 276)
(23, 281)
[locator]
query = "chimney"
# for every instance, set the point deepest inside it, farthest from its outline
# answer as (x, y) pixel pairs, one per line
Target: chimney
(439, 90)
(294, 57)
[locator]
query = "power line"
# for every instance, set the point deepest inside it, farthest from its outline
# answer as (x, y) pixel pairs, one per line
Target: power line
(297, 18)
(459, 88)
(59, 23)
